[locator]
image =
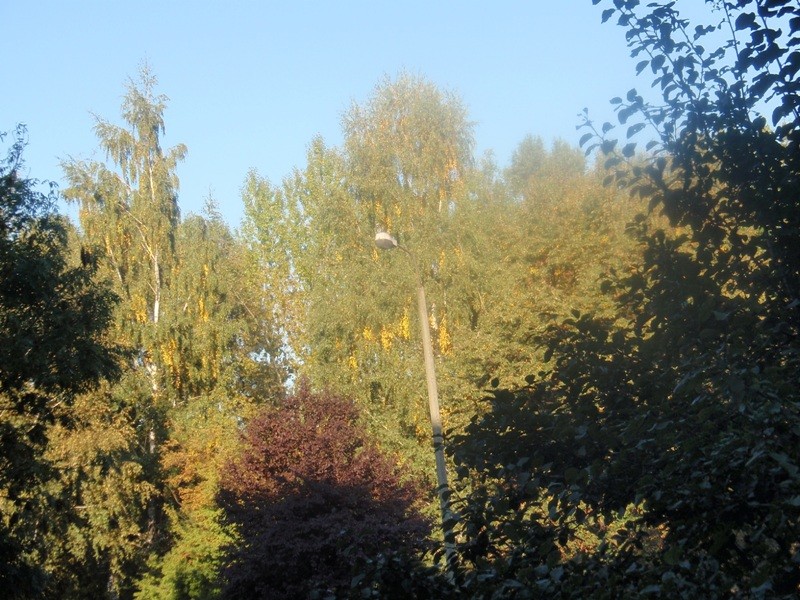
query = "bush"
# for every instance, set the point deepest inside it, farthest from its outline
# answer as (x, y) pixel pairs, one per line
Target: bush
(317, 507)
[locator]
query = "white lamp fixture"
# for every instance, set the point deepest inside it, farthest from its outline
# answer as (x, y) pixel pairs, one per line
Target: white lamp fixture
(384, 241)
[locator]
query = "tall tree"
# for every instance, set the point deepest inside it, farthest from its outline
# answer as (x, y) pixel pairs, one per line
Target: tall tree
(53, 317)
(202, 347)
(403, 167)
(492, 261)
(527, 160)
(225, 360)
(129, 217)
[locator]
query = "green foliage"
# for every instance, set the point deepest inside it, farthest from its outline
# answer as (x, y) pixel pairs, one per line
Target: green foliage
(657, 456)
(191, 569)
(53, 315)
(347, 312)
(103, 482)
(409, 149)
(53, 318)
(494, 256)
(202, 352)
(532, 162)
(651, 450)
(129, 219)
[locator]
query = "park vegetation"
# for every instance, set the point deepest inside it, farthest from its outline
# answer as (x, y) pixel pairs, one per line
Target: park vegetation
(192, 412)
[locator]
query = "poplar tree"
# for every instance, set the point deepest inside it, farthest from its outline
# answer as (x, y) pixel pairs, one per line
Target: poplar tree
(349, 312)
(495, 251)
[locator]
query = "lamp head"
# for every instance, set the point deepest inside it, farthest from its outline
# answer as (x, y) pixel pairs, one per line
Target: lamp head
(384, 241)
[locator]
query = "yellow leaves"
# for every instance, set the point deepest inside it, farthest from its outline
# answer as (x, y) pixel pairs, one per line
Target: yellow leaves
(167, 351)
(445, 343)
(201, 310)
(389, 333)
(422, 430)
(452, 182)
(139, 307)
(352, 363)
(215, 370)
(383, 216)
(404, 328)
(171, 357)
(194, 457)
(452, 166)
(420, 421)
(386, 338)
(444, 413)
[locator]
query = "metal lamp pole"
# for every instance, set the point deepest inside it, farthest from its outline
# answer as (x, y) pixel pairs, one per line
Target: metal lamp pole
(385, 242)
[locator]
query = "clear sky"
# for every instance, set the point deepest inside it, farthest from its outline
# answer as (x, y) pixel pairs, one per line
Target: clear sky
(251, 82)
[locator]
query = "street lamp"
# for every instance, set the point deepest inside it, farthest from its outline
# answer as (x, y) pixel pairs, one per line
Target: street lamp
(384, 241)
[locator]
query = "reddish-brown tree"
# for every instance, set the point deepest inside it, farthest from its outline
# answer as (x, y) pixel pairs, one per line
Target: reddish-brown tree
(313, 501)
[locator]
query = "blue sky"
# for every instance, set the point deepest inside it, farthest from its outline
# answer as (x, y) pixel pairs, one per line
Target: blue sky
(251, 82)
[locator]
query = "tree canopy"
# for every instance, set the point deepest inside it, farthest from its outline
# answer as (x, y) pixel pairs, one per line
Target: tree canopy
(53, 347)
(188, 411)
(657, 455)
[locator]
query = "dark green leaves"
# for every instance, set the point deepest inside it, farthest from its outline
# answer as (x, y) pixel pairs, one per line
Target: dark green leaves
(746, 21)
(629, 150)
(678, 421)
(634, 129)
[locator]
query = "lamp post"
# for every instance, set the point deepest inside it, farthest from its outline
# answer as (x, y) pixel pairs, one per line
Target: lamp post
(384, 241)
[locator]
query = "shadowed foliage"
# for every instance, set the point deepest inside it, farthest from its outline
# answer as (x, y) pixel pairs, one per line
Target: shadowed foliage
(657, 455)
(53, 317)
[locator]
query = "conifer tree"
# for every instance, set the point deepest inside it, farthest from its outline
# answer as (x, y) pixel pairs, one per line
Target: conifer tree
(53, 317)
